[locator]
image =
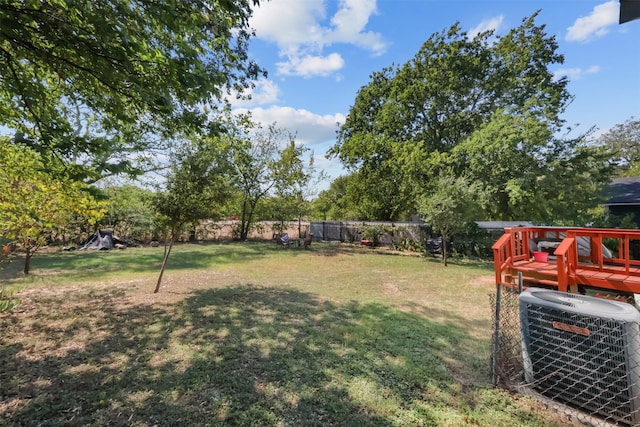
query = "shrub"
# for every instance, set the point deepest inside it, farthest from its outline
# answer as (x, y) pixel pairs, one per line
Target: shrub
(7, 301)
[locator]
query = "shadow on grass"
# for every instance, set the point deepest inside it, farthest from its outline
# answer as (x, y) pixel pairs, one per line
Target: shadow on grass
(239, 356)
(84, 264)
(79, 265)
(323, 248)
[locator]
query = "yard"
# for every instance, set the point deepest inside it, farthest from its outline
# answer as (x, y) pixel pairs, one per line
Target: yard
(248, 334)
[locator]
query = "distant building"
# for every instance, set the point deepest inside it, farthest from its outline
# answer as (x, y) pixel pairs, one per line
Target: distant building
(501, 225)
(623, 198)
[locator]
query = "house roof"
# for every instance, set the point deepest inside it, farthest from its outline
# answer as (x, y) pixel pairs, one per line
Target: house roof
(629, 10)
(623, 191)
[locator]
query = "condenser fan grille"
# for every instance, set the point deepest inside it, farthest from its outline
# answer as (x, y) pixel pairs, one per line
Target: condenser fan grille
(580, 359)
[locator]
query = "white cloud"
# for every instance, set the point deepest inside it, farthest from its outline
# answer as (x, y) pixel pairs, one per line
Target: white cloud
(333, 168)
(486, 25)
(309, 128)
(314, 131)
(289, 23)
(349, 22)
(576, 73)
(264, 92)
(596, 24)
(311, 65)
(300, 30)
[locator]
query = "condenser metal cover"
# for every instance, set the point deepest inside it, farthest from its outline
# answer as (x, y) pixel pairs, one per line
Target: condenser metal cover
(583, 351)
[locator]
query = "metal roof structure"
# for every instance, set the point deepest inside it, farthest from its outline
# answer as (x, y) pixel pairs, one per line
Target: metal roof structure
(623, 191)
(629, 10)
(501, 225)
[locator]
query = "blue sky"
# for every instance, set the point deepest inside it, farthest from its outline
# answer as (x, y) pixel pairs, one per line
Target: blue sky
(319, 53)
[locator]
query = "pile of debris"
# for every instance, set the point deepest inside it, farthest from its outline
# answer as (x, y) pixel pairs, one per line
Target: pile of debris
(103, 240)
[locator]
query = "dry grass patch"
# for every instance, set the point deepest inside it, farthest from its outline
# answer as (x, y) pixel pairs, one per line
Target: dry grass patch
(247, 335)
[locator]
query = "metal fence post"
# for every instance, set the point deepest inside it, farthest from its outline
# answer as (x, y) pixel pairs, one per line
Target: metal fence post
(520, 282)
(496, 337)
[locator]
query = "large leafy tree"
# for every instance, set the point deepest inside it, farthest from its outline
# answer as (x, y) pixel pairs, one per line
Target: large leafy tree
(405, 123)
(326, 205)
(525, 172)
(450, 205)
(35, 207)
(624, 140)
(255, 153)
(503, 154)
(574, 183)
(129, 211)
(91, 81)
(296, 182)
(361, 195)
(267, 162)
(197, 187)
(335, 202)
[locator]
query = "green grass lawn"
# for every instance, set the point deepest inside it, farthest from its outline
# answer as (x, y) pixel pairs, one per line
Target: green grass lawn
(247, 334)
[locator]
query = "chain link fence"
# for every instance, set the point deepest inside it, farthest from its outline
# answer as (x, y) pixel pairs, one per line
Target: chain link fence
(579, 355)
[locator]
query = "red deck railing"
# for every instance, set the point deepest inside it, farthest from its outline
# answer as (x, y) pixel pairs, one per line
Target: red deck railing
(592, 257)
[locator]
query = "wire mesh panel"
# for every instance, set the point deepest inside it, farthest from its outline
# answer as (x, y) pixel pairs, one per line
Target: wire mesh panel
(581, 350)
(580, 353)
(506, 346)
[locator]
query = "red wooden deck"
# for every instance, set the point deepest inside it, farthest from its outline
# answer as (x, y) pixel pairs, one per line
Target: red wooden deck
(579, 259)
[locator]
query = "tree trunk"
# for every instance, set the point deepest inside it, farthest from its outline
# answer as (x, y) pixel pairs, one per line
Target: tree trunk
(27, 261)
(167, 251)
(244, 222)
(444, 249)
(243, 228)
(247, 218)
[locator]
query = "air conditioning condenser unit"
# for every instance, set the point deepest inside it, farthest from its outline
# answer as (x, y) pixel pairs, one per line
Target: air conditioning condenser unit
(583, 351)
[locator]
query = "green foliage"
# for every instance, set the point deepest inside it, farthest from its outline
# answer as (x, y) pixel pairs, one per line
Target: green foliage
(295, 182)
(373, 232)
(409, 243)
(627, 222)
(574, 182)
(271, 178)
(449, 206)
(486, 108)
(198, 183)
(616, 221)
(338, 202)
(410, 238)
(255, 157)
(36, 206)
(526, 173)
(197, 187)
(7, 301)
(398, 238)
(624, 140)
(503, 155)
(472, 241)
(129, 211)
(363, 196)
(95, 80)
